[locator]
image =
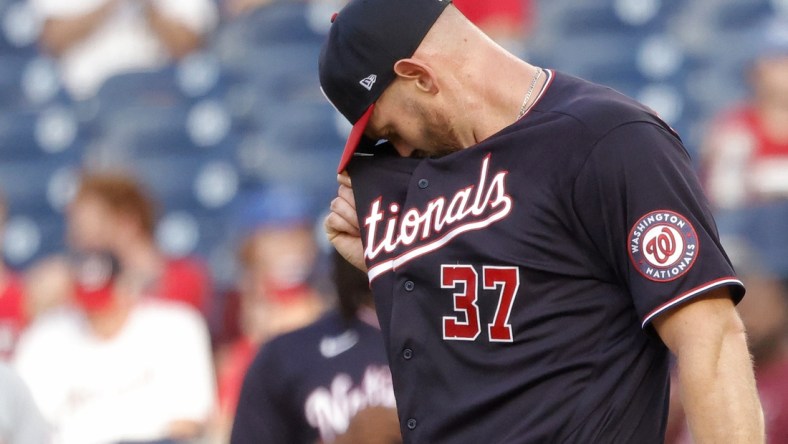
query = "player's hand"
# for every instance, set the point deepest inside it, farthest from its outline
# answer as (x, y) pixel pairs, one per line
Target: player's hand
(341, 225)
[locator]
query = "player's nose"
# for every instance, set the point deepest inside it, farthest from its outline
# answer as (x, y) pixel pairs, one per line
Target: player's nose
(404, 149)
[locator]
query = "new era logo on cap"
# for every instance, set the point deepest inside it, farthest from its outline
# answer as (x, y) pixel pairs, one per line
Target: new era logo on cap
(368, 81)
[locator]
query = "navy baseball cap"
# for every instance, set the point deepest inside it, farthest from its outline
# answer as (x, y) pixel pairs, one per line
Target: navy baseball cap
(366, 39)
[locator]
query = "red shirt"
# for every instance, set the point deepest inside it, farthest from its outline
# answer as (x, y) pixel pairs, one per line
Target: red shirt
(742, 165)
(12, 315)
(765, 146)
(480, 11)
(186, 280)
(231, 373)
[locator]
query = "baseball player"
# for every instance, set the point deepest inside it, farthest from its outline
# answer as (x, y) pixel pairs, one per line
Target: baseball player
(307, 386)
(537, 245)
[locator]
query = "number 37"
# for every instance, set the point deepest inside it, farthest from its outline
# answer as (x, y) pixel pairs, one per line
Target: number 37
(465, 280)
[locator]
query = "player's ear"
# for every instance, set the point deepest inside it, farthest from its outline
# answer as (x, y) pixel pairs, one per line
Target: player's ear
(423, 76)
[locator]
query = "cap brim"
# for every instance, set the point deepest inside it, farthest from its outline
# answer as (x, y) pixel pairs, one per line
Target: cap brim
(353, 140)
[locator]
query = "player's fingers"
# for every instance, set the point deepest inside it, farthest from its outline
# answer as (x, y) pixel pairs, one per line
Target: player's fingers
(347, 213)
(345, 209)
(345, 192)
(339, 232)
(344, 179)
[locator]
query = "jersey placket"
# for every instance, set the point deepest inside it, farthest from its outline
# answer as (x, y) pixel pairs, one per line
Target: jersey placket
(408, 358)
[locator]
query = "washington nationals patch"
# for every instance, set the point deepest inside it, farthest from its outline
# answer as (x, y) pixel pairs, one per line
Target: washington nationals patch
(663, 245)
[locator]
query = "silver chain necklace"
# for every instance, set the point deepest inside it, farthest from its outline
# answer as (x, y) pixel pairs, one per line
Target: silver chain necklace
(523, 107)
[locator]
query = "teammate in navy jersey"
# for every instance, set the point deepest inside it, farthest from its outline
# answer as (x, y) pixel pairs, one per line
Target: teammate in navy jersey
(537, 245)
(308, 385)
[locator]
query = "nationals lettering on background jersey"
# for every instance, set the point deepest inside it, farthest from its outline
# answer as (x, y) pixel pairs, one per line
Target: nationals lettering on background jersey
(305, 386)
(515, 280)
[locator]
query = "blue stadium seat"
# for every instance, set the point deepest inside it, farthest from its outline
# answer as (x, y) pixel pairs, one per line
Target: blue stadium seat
(184, 128)
(186, 181)
(305, 127)
(633, 16)
(272, 77)
(200, 75)
(165, 111)
(33, 236)
(29, 184)
(53, 133)
(597, 54)
(145, 130)
(12, 68)
(19, 28)
(734, 15)
(280, 22)
(302, 145)
(145, 88)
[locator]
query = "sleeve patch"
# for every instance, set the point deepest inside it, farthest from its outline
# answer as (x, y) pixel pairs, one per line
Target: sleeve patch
(663, 245)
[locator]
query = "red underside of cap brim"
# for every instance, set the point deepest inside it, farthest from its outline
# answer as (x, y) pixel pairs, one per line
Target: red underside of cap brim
(355, 138)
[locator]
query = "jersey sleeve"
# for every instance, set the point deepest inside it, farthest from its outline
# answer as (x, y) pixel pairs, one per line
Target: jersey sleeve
(640, 202)
(262, 415)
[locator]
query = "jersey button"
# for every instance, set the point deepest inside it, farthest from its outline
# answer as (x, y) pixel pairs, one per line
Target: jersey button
(424, 183)
(407, 354)
(411, 424)
(409, 286)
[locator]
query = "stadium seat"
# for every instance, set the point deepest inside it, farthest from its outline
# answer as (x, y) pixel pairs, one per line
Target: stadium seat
(154, 88)
(19, 28)
(280, 22)
(53, 133)
(737, 15)
(302, 145)
(31, 236)
(199, 180)
(35, 185)
(272, 77)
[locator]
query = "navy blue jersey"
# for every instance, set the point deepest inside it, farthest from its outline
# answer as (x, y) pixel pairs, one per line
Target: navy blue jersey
(516, 280)
(305, 386)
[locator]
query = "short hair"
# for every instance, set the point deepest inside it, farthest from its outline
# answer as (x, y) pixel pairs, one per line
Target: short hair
(122, 194)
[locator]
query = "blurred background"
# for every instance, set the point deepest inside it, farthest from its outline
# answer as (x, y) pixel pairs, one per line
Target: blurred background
(189, 141)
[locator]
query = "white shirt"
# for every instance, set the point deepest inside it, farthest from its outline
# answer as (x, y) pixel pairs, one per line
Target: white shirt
(124, 42)
(156, 370)
(20, 420)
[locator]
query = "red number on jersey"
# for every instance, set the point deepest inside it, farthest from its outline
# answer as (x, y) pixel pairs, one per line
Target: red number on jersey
(508, 280)
(465, 276)
(505, 279)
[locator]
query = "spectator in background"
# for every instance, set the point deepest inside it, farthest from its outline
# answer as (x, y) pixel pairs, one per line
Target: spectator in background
(47, 285)
(112, 212)
(96, 39)
(20, 420)
(12, 310)
(274, 295)
(117, 367)
(745, 154)
(236, 8)
(339, 370)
